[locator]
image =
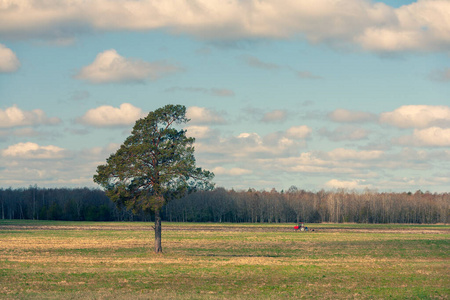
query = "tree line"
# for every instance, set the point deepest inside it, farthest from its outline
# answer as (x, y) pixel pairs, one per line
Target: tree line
(221, 205)
(79, 204)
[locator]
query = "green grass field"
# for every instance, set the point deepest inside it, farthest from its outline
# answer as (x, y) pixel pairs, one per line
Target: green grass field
(85, 260)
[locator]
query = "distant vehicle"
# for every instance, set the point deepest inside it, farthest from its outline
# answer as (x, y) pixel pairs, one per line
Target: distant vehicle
(300, 227)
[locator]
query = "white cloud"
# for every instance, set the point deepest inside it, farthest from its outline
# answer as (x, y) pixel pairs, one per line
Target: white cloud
(99, 153)
(252, 145)
(198, 132)
(351, 154)
(15, 117)
(338, 161)
(348, 116)
(299, 132)
(109, 67)
(417, 116)
(33, 151)
(414, 183)
(308, 163)
(232, 171)
(275, 116)
(8, 60)
(201, 115)
(391, 39)
(343, 184)
(433, 136)
(248, 146)
(419, 26)
(106, 115)
(28, 163)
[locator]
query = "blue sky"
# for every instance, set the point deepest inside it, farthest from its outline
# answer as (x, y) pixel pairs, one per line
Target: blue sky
(317, 94)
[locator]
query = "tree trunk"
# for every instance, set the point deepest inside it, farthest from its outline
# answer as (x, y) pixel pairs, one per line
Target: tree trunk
(158, 248)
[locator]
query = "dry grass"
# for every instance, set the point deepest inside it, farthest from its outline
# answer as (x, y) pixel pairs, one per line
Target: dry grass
(216, 261)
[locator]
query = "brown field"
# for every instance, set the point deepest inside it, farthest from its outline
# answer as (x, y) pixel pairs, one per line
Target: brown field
(52, 260)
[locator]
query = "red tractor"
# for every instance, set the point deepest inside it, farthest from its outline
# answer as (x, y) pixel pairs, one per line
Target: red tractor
(300, 227)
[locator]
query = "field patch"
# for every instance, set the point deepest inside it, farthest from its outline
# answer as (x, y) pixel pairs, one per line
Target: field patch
(40, 259)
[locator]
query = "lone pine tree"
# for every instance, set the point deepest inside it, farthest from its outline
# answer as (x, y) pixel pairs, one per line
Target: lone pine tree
(154, 165)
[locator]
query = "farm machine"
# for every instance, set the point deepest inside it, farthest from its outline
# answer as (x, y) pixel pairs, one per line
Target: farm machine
(300, 227)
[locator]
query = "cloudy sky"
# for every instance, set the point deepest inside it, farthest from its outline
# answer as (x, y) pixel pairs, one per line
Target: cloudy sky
(317, 94)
